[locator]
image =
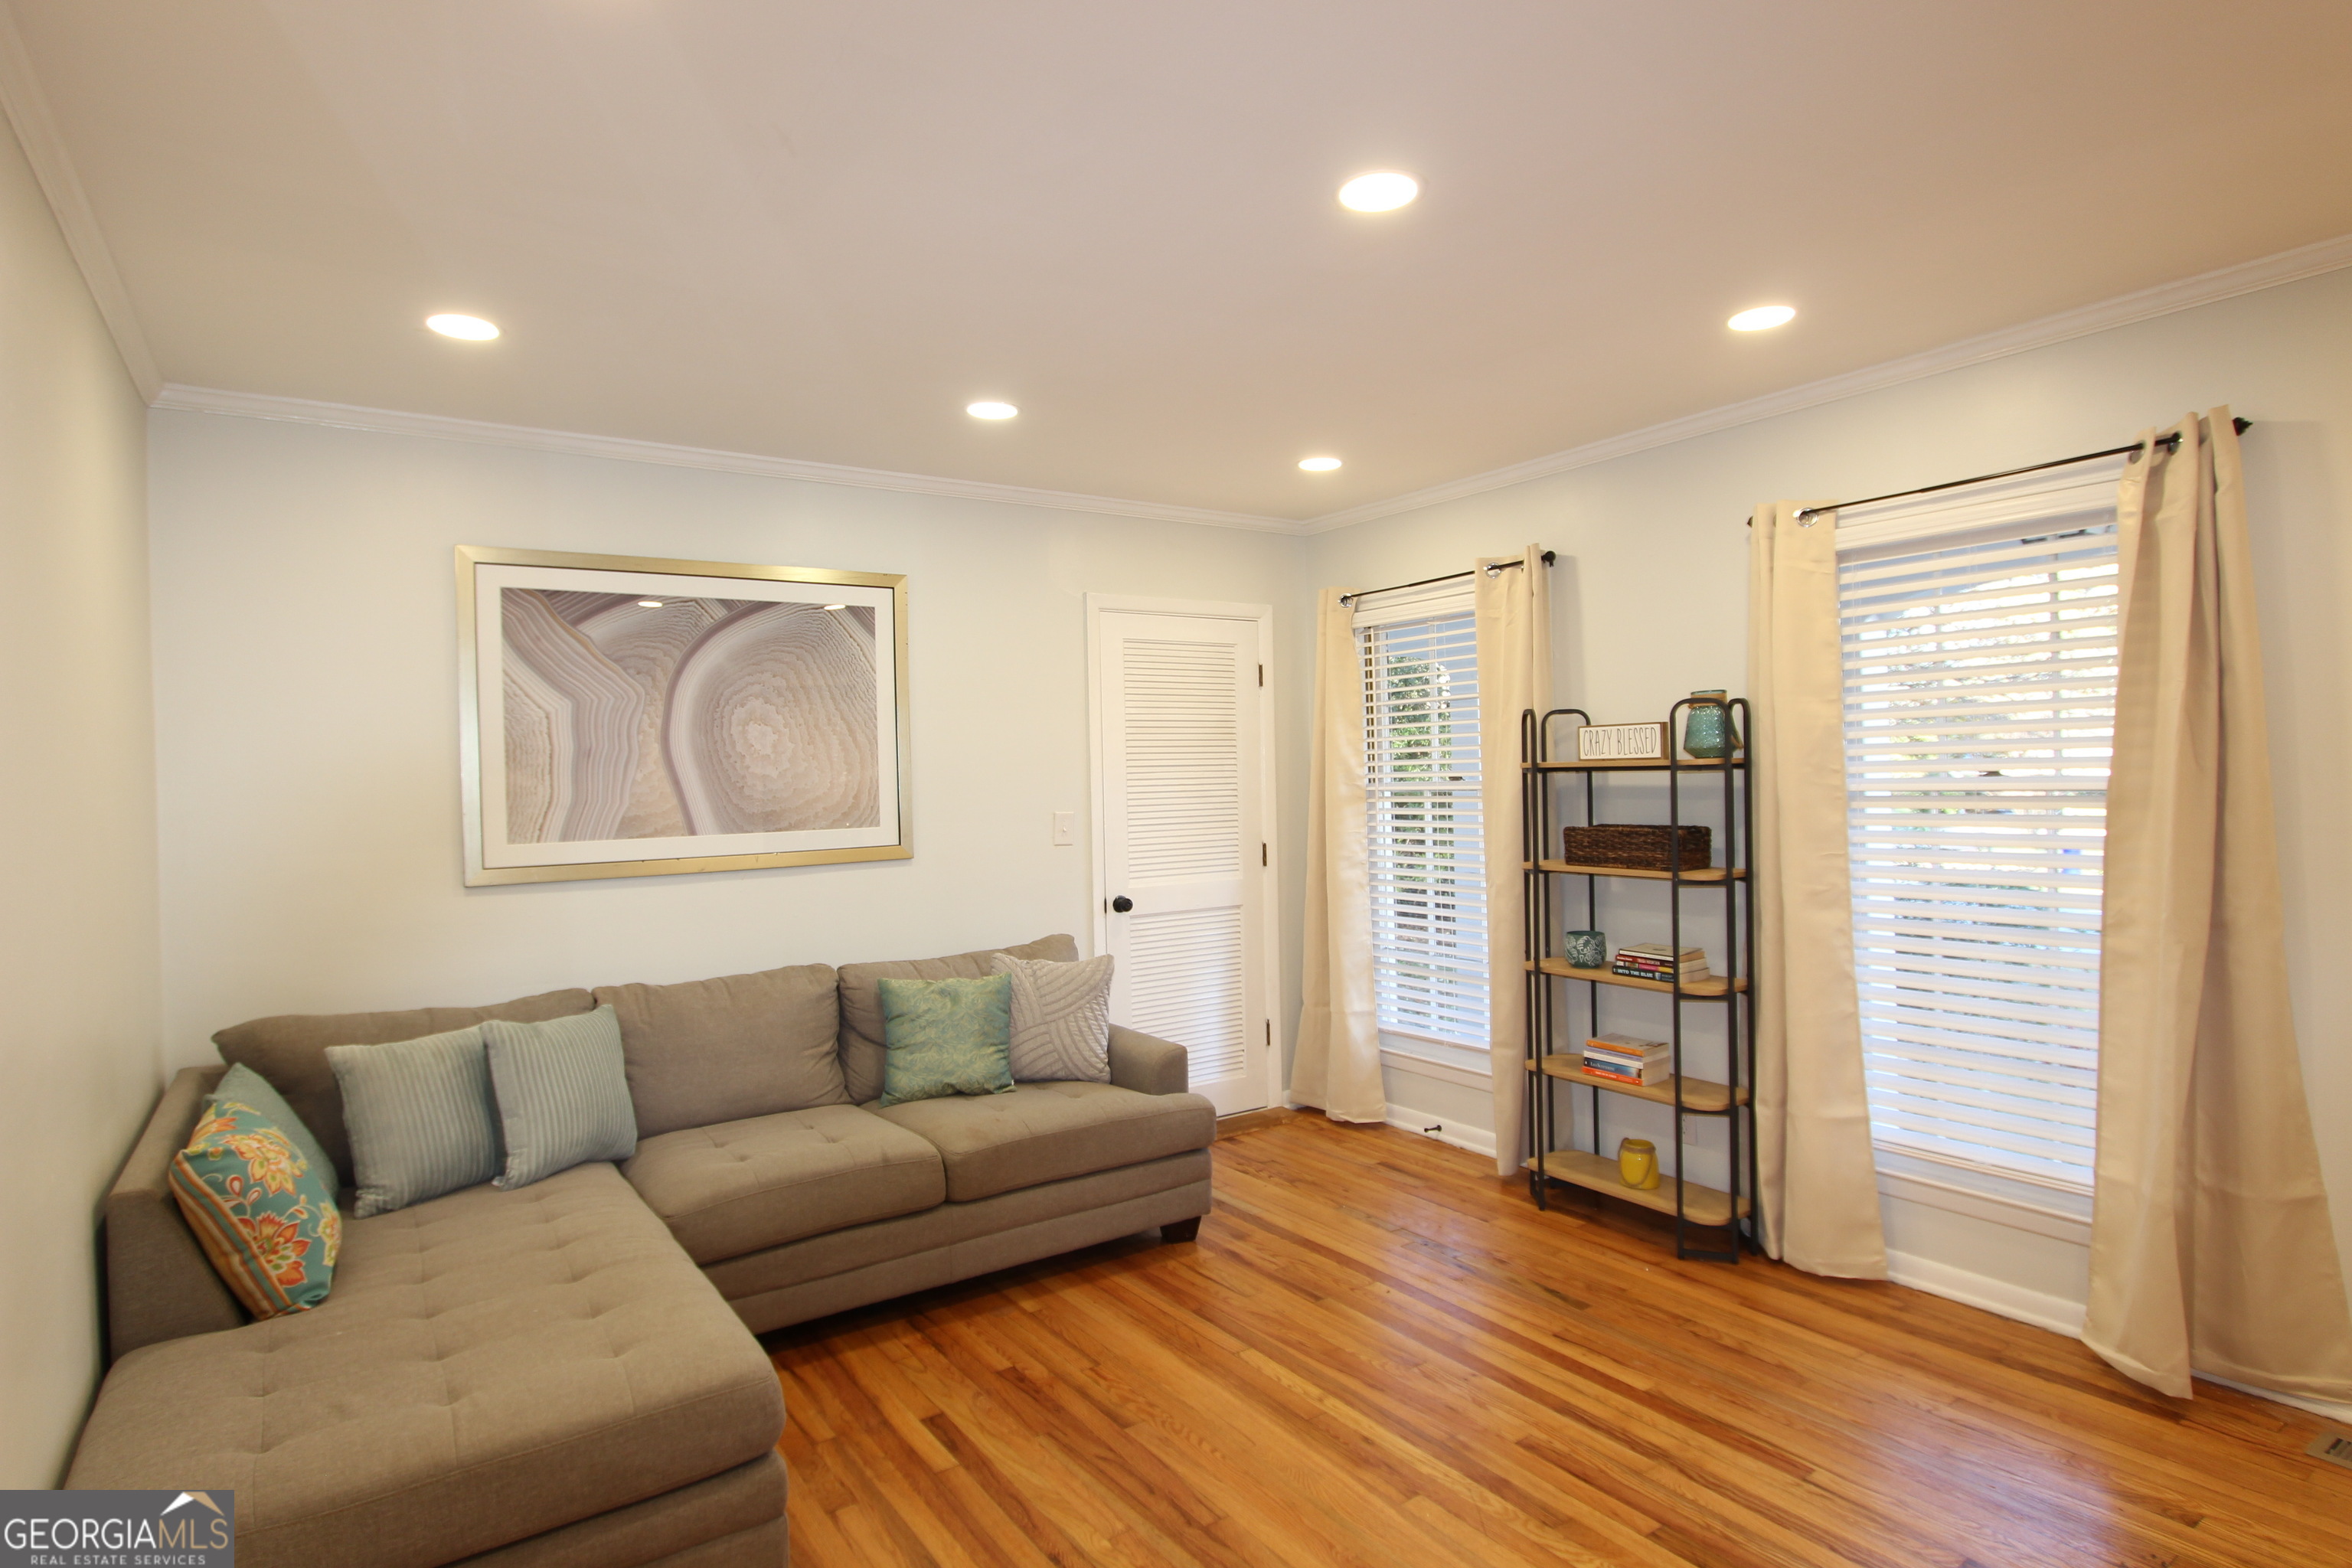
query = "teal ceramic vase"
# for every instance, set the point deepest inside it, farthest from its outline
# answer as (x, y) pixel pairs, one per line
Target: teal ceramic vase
(1707, 729)
(1586, 950)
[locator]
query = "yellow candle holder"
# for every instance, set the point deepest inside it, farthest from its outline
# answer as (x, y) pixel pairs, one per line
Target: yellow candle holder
(1637, 1163)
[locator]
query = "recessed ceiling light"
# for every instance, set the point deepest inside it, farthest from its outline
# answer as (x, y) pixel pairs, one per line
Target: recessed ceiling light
(649, 603)
(1383, 192)
(836, 606)
(1763, 318)
(1319, 465)
(990, 410)
(473, 328)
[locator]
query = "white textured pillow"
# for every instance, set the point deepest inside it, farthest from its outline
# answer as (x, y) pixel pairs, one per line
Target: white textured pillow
(1061, 1018)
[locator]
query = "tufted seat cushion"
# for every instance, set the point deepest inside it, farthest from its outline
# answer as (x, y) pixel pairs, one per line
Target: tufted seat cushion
(996, 1143)
(490, 1366)
(739, 1186)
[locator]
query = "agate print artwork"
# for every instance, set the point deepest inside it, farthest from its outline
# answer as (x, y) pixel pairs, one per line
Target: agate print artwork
(628, 717)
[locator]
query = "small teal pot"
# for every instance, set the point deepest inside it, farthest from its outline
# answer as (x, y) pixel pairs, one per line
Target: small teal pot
(1707, 729)
(1586, 949)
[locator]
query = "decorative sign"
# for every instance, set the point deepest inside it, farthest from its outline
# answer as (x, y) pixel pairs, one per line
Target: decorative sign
(1621, 743)
(629, 718)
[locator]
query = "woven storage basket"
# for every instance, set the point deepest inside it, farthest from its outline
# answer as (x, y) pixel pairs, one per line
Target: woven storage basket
(1639, 846)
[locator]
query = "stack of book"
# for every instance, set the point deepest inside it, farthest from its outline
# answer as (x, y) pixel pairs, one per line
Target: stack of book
(1655, 960)
(1622, 1059)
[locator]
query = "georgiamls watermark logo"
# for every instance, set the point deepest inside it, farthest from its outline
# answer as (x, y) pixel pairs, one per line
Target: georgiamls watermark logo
(118, 1529)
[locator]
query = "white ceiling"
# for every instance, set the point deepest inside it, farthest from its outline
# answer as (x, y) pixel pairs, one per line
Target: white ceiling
(817, 231)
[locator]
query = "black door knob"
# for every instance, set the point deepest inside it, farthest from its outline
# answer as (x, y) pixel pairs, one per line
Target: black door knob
(1122, 904)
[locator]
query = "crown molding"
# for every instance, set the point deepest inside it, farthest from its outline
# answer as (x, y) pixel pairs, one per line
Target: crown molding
(2263, 272)
(36, 133)
(391, 421)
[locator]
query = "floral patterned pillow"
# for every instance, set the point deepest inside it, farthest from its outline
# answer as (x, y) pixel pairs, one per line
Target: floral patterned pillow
(266, 1219)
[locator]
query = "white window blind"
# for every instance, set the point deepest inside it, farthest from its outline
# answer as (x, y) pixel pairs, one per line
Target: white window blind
(1980, 708)
(1427, 849)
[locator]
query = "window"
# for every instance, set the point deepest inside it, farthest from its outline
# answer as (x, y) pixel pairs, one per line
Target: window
(1427, 849)
(1979, 717)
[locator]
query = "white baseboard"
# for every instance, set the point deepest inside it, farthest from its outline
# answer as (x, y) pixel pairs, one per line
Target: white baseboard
(1461, 1134)
(2055, 1313)
(2333, 1409)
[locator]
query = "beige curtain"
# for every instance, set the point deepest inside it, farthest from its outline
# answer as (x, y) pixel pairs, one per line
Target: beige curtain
(1336, 1066)
(1512, 611)
(2211, 1245)
(1818, 1184)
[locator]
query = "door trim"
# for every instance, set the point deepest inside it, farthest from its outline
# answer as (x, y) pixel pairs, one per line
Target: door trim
(1269, 905)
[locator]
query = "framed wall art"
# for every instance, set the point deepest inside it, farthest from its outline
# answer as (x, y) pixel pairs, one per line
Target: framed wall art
(625, 717)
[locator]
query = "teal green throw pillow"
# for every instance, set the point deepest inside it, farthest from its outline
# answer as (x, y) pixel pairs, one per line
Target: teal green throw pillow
(421, 1117)
(562, 1088)
(265, 1220)
(946, 1036)
(243, 1086)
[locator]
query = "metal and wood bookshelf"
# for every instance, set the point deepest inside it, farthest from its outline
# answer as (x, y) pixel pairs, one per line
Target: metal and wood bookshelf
(1703, 1108)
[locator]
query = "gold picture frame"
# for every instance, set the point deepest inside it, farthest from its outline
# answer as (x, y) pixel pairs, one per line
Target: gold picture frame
(544, 801)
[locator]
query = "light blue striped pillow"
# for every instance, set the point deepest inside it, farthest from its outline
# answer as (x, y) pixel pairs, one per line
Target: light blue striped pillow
(562, 1092)
(420, 1116)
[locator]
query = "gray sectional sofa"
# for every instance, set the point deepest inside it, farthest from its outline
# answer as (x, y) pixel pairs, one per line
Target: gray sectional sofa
(565, 1374)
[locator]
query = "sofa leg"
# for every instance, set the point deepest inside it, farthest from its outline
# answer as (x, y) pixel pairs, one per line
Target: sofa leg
(1182, 1230)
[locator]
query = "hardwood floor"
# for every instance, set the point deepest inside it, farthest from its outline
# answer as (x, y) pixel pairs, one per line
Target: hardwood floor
(1378, 1352)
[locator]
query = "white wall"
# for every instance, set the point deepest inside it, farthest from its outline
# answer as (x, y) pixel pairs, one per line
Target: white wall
(78, 1040)
(305, 654)
(1651, 587)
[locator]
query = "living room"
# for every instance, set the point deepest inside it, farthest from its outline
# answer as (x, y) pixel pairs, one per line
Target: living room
(749, 271)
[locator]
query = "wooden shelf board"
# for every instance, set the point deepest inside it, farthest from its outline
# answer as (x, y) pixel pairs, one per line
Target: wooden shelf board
(1701, 1206)
(1640, 764)
(1712, 989)
(1703, 874)
(1699, 1094)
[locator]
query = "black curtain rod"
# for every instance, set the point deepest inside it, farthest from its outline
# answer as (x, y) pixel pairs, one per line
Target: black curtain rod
(2166, 442)
(1548, 557)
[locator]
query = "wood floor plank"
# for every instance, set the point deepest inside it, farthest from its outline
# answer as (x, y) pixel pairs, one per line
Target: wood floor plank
(1380, 1353)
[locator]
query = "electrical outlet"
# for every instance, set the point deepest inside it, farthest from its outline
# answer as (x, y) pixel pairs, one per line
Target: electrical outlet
(1065, 829)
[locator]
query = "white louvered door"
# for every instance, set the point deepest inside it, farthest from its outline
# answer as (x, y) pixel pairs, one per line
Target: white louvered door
(1178, 737)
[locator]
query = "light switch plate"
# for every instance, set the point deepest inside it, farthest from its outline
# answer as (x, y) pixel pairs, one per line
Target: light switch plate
(1065, 827)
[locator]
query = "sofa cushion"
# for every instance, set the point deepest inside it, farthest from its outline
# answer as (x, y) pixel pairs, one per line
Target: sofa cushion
(947, 1225)
(862, 1052)
(491, 1365)
(723, 1049)
(290, 1051)
(739, 1186)
(1046, 1132)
